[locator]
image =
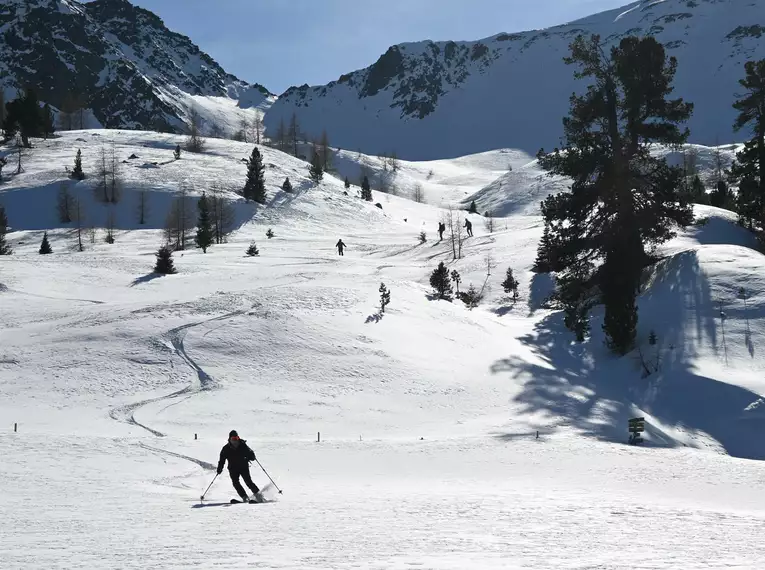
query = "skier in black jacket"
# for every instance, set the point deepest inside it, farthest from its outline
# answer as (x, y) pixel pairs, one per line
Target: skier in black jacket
(239, 454)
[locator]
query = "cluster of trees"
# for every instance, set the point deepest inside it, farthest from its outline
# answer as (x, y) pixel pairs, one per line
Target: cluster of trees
(441, 281)
(25, 118)
(623, 201)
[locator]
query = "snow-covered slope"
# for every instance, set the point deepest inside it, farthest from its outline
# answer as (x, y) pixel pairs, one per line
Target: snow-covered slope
(118, 60)
(449, 438)
(432, 100)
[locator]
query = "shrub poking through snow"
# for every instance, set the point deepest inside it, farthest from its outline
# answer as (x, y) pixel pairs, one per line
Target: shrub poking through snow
(252, 251)
(423, 237)
(270, 233)
(440, 282)
(472, 297)
(164, 264)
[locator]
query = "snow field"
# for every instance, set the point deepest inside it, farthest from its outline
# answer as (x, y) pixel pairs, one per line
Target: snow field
(428, 413)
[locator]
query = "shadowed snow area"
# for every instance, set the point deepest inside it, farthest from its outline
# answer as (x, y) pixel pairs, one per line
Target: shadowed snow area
(450, 438)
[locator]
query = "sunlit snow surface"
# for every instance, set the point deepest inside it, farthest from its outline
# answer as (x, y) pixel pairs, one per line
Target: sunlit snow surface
(428, 414)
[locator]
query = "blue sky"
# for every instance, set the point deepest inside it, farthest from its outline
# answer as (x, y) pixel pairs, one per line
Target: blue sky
(280, 43)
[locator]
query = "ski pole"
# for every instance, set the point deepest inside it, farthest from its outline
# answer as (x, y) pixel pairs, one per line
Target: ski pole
(202, 498)
(269, 476)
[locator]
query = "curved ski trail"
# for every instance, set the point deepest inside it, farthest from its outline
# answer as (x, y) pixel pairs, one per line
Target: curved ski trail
(203, 381)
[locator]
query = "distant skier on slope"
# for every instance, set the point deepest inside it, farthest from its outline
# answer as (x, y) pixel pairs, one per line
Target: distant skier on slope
(469, 226)
(340, 247)
(238, 454)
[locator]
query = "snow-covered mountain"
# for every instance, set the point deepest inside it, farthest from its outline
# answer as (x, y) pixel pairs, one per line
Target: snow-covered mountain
(433, 100)
(116, 59)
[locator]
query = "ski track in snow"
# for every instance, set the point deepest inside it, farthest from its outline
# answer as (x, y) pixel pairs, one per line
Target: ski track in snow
(204, 381)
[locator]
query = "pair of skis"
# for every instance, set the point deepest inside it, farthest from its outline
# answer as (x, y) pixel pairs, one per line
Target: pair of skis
(251, 501)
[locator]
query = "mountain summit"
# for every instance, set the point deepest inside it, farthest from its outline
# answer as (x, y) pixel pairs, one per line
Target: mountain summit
(432, 100)
(112, 57)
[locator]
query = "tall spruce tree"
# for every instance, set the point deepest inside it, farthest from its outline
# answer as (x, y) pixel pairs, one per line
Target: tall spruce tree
(45, 247)
(77, 173)
(316, 170)
(366, 191)
(205, 234)
(255, 186)
(47, 121)
(748, 170)
(622, 198)
(5, 248)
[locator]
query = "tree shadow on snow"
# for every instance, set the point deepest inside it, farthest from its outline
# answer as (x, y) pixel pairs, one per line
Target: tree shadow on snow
(542, 286)
(585, 387)
(145, 279)
(375, 318)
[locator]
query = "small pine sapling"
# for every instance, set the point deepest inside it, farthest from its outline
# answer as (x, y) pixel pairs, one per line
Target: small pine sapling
(473, 209)
(270, 233)
(384, 297)
(252, 251)
(347, 183)
(439, 280)
(177, 152)
(287, 186)
(652, 338)
(164, 264)
(45, 248)
(423, 236)
(457, 280)
(510, 284)
(77, 173)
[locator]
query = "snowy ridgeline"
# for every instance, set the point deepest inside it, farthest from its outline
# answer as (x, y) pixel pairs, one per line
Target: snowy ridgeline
(445, 99)
(429, 413)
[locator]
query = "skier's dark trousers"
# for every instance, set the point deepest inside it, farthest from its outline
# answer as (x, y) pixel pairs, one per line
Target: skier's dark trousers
(238, 454)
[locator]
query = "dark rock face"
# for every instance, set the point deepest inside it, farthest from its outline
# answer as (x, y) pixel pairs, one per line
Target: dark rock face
(110, 56)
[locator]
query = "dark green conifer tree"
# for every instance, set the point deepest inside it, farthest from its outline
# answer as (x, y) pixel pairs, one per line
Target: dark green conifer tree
(622, 198)
(45, 247)
(255, 186)
(205, 233)
(748, 170)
